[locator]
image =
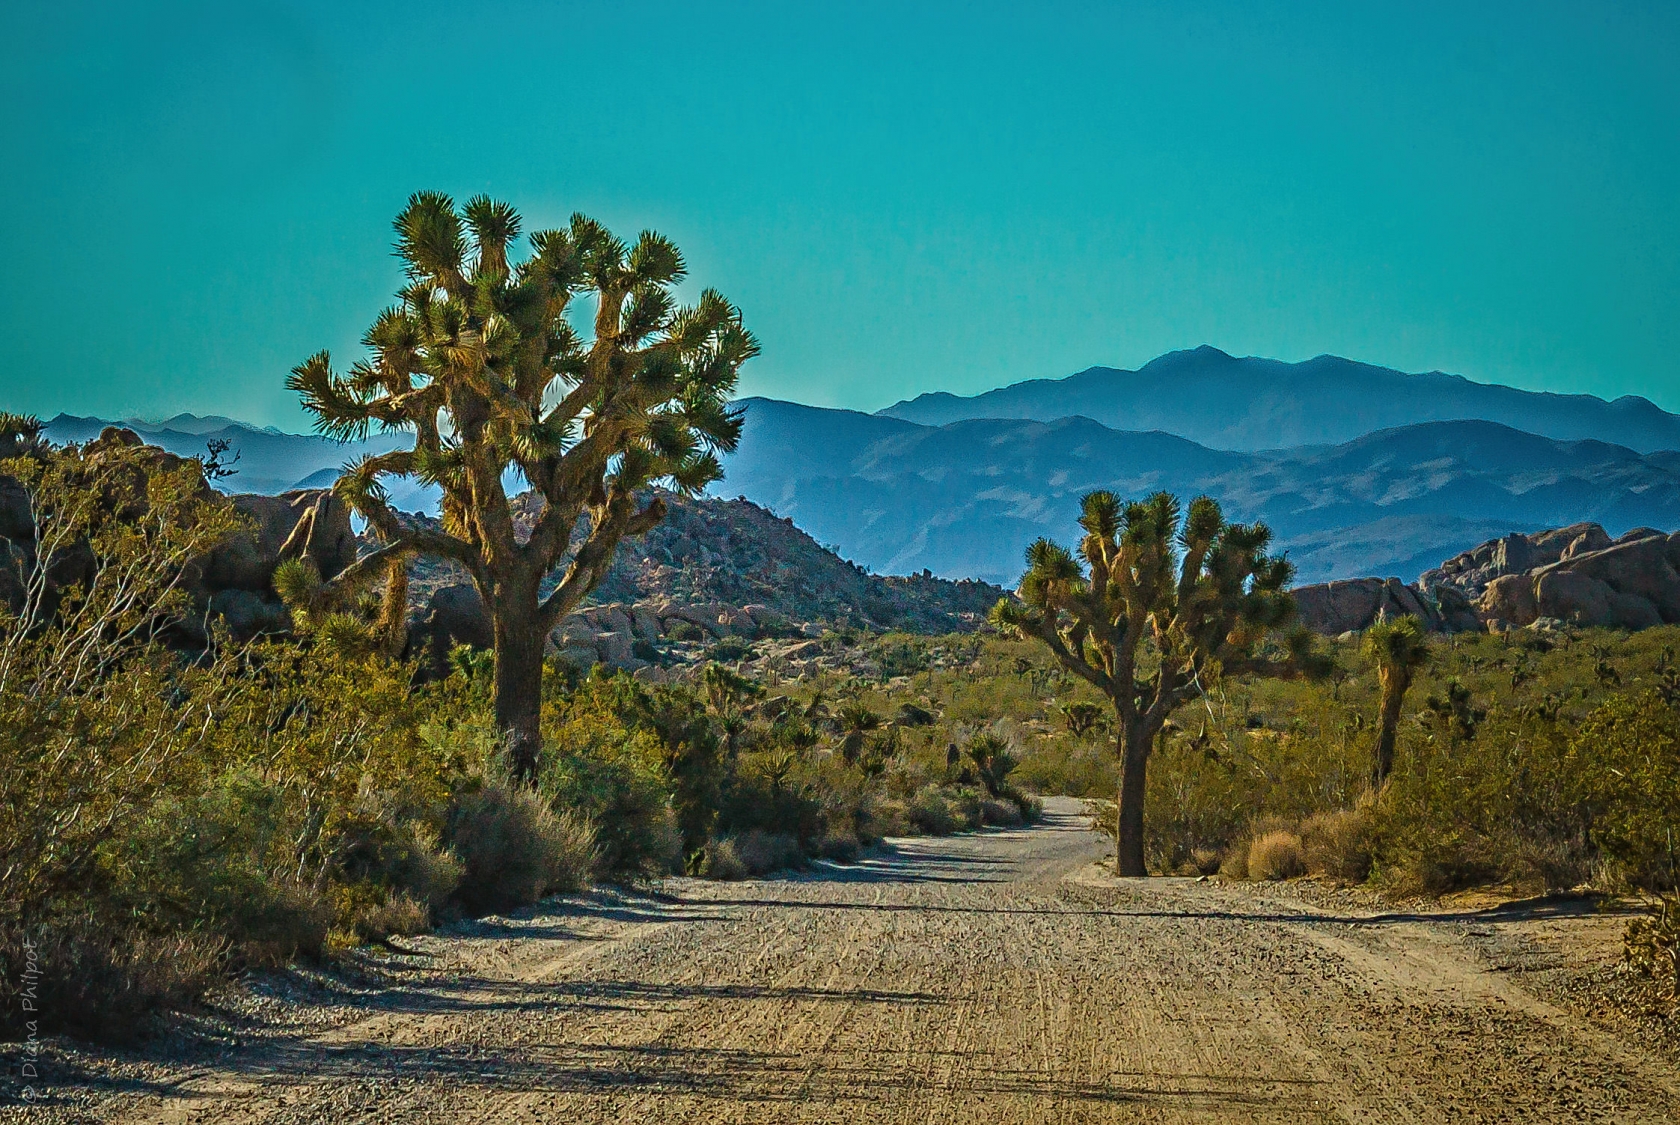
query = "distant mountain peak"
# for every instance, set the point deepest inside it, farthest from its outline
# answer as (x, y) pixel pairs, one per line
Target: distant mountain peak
(1251, 403)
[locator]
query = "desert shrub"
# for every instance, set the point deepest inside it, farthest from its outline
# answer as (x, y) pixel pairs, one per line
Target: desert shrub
(997, 813)
(1233, 862)
(887, 816)
(1067, 766)
(771, 791)
(899, 654)
(928, 813)
(841, 846)
(606, 760)
(1276, 855)
(721, 859)
(728, 650)
(763, 852)
(219, 862)
(98, 981)
(636, 834)
(514, 848)
(1628, 754)
(367, 913)
(1651, 943)
(1338, 843)
(1206, 861)
(685, 631)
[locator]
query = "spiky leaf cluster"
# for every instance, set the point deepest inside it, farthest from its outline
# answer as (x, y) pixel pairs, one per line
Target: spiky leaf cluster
(479, 359)
(1200, 594)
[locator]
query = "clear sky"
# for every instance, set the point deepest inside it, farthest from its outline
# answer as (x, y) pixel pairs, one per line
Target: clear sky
(902, 197)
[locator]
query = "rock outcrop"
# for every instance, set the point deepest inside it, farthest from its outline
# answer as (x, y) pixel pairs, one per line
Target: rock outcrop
(1473, 571)
(1333, 608)
(1631, 583)
(617, 635)
(234, 582)
(1573, 575)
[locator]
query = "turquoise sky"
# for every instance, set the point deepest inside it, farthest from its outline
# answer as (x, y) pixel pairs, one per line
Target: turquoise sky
(902, 197)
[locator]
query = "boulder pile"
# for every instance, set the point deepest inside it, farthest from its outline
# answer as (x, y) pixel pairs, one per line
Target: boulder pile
(235, 581)
(1575, 575)
(619, 635)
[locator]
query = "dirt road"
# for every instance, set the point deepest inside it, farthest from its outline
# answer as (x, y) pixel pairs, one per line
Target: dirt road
(990, 978)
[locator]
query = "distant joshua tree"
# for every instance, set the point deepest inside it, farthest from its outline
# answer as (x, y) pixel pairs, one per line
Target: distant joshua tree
(480, 361)
(1157, 614)
(1398, 648)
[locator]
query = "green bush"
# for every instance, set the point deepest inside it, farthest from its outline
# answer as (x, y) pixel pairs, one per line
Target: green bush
(1628, 755)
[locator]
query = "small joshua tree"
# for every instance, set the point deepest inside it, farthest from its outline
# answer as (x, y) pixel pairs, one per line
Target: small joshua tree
(1398, 648)
(1157, 614)
(854, 723)
(480, 361)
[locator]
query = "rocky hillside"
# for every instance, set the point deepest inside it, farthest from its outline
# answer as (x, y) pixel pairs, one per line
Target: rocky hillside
(712, 570)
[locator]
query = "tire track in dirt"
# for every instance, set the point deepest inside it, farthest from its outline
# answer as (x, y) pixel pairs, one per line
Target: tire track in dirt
(998, 977)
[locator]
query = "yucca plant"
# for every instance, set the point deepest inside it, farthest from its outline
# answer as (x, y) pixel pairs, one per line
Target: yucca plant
(480, 361)
(1156, 616)
(1398, 648)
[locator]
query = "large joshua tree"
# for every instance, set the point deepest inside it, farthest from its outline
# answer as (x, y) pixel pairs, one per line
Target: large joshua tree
(480, 361)
(1157, 614)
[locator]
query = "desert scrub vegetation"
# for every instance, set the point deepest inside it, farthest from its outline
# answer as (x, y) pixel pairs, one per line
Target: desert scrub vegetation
(1536, 760)
(173, 813)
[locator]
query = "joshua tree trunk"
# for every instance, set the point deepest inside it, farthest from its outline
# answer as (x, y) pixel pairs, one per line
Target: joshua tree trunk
(1388, 722)
(519, 659)
(1133, 752)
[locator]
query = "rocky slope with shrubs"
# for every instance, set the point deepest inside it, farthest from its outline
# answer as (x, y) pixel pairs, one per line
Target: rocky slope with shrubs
(711, 570)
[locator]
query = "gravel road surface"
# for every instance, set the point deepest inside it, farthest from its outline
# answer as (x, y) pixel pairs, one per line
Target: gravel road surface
(996, 977)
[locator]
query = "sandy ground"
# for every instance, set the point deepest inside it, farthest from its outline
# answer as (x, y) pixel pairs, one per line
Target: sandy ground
(998, 977)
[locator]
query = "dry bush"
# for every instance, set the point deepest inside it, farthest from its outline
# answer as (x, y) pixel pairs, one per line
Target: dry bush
(1205, 861)
(1338, 844)
(843, 847)
(763, 852)
(722, 860)
(1234, 864)
(99, 983)
(388, 915)
(929, 814)
(514, 848)
(1000, 814)
(886, 816)
(964, 804)
(1276, 855)
(1652, 943)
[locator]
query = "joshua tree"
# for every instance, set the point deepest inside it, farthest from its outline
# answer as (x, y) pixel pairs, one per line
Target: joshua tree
(480, 361)
(1163, 613)
(1081, 717)
(853, 723)
(1399, 649)
(993, 763)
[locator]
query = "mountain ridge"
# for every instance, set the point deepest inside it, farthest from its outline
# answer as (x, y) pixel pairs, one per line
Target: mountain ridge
(1250, 404)
(964, 499)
